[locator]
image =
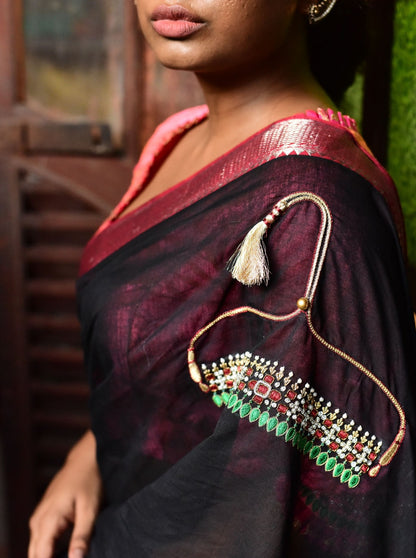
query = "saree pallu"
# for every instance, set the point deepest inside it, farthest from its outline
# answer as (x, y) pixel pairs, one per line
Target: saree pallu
(308, 447)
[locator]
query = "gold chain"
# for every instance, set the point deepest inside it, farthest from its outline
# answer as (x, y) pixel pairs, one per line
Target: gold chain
(391, 451)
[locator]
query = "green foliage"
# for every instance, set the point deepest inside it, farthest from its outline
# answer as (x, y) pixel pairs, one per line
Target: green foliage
(402, 141)
(352, 101)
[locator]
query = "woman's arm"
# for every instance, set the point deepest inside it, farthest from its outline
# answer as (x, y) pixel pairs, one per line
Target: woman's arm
(72, 498)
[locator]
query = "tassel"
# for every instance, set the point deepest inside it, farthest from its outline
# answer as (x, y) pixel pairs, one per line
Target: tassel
(249, 264)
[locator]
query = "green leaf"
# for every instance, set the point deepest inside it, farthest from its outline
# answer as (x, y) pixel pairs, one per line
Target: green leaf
(281, 429)
(315, 451)
(290, 434)
(322, 458)
(217, 399)
(254, 415)
(338, 470)
(330, 464)
(245, 410)
(264, 418)
(354, 481)
(232, 400)
(271, 424)
(346, 475)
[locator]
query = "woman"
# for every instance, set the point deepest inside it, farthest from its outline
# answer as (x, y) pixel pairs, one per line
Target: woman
(304, 448)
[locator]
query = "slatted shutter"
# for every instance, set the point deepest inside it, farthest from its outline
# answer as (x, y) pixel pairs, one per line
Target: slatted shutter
(55, 225)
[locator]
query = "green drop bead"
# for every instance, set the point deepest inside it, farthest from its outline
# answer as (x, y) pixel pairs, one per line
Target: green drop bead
(330, 464)
(217, 399)
(346, 475)
(354, 481)
(281, 429)
(225, 397)
(302, 442)
(295, 440)
(264, 418)
(322, 458)
(338, 470)
(232, 401)
(254, 415)
(245, 410)
(271, 424)
(315, 451)
(308, 447)
(290, 434)
(237, 406)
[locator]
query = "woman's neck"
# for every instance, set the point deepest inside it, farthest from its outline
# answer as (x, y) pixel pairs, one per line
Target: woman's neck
(252, 96)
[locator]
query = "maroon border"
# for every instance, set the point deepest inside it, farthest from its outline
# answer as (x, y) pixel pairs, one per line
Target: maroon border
(299, 135)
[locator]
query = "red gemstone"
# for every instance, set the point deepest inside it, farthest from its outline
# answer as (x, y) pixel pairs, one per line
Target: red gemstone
(258, 399)
(342, 434)
(314, 412)
(299, 419)
(229, 383)
(241, 386)
(359, 447)
(210, 377)
(282, 408)
(262, 389)
(334, 446)
(318, 434)
(249, 371)
(328, 423)
(364, 468)
(291, 394)
(275, 395)
(372, 456)
(269, 379)
(252, 384)
(213, 387)
(227, 371)
(306, 406)
(350, 457)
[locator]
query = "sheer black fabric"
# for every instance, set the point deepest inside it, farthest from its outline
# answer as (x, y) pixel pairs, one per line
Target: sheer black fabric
(183, 477)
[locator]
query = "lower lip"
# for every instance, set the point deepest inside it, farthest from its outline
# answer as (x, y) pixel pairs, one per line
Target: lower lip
(175, 29)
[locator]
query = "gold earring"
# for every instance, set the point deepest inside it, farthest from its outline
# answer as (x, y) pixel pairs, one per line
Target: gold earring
(320, 10)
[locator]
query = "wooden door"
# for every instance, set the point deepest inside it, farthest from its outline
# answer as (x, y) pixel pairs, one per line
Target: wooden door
(79, 94)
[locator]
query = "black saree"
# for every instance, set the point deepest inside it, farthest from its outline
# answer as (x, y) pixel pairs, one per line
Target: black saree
(311, 451)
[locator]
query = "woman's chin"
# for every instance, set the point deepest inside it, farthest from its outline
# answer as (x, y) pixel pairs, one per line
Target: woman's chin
(178, 58)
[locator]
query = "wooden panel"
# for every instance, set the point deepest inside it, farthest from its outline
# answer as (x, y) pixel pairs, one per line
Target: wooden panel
(99, 182)
(57, 218)
(46, 221)
(15, 393)
(53, 137)
(8, 83)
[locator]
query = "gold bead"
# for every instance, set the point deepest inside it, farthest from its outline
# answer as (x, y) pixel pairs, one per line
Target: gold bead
(203, 387)
(303, 304)
(194, 372)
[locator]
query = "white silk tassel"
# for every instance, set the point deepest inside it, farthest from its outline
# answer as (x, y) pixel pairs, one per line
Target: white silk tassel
(249, 264)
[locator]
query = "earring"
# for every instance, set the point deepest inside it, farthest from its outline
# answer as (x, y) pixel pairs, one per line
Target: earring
(320, 10)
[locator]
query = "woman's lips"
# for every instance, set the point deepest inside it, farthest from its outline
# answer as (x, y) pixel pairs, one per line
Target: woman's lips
(175, 29)
(175, 22)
